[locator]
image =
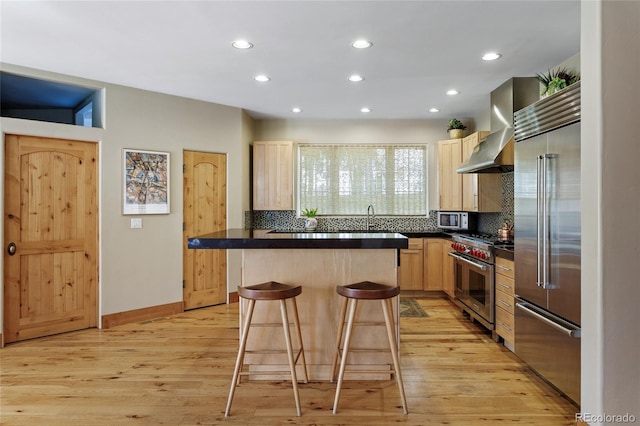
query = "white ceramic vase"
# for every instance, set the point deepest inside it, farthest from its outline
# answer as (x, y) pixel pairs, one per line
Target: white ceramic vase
(310, 224)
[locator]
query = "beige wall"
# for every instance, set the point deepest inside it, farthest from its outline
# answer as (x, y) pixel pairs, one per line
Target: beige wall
(610, 66)
(141, 268)
(367, 131)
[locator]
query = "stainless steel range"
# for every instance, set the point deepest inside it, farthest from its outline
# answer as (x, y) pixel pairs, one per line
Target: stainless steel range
(474, 275)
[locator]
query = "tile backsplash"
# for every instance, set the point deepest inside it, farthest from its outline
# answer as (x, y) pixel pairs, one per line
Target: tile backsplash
(287, 219)
(489, 223)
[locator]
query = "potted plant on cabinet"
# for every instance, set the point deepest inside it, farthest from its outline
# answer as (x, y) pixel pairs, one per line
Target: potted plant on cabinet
(455, 128)
(310, 222)
(555, 80)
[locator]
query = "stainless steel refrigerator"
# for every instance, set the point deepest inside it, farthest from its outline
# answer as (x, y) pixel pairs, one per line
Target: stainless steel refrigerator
(547, 238)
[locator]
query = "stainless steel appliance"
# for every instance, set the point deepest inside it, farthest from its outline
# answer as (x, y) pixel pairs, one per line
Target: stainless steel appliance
(460, 221)
(547, 241)
(495, 153)
(474, 276)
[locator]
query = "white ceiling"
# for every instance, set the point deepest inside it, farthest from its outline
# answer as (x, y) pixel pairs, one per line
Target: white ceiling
(421, 49)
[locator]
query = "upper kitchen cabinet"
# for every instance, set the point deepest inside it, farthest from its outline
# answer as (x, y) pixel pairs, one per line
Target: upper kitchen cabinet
(473, 192)
(481, 192)
(449, 159)
(273, 175)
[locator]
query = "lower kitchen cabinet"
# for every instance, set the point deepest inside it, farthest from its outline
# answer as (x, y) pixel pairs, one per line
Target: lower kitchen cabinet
(505, 305)
(448, 283)
(411, 270)
(433, 264)
(426, 266)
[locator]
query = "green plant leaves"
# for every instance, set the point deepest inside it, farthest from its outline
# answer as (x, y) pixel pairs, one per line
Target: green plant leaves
(454, 123)
(557, 79)
(309, 212)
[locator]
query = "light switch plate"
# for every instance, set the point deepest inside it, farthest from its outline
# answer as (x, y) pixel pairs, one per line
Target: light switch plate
(136, 223)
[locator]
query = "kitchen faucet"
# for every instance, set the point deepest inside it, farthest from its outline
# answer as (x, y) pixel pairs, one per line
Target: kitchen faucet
(371, 215)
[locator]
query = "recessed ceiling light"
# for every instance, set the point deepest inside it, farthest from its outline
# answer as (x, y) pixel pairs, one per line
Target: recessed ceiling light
(434, 110)
(242, 44)
(361, 44)
(356, 78)
(491, 56)
(261, 78)
(296, 110)
(365, 109)
(452, 92)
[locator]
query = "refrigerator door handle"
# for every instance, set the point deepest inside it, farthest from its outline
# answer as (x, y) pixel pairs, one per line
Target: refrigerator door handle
(531, 310)
(548, 195)
(539, 220)
(545, 225)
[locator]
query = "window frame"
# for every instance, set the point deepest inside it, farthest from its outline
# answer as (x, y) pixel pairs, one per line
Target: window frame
(298, 172)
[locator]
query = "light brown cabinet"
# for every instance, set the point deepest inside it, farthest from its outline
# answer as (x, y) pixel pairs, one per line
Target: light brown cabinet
(433, 264)
(410, 272)
(481, 192)
(273, 175)
(474, 192)
(505, 304)
(448, 284)
(450, 182)
(422, 266)
(426, 266)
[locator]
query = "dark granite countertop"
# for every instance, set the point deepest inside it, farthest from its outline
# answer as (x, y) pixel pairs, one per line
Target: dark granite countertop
(505, 253)
(418, 234)
(261, 239)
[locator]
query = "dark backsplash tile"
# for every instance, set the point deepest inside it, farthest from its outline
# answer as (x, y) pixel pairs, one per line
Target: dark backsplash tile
(287, 220)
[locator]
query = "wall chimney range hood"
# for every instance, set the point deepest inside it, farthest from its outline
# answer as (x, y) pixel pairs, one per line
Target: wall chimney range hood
(495, 153)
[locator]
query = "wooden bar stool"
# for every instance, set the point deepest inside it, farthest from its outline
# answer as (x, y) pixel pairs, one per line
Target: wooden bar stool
(365, 290)
(270, 291)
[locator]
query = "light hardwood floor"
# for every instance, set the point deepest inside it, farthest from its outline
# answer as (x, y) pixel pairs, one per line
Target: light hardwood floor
(177, 371)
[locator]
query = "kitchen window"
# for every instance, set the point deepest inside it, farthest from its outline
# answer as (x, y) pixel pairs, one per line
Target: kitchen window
(344, 179)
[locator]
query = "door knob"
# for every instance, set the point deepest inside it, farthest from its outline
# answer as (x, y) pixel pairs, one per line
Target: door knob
(11, 249)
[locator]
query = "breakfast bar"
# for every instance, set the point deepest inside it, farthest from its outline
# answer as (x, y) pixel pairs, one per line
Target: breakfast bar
(318, 261)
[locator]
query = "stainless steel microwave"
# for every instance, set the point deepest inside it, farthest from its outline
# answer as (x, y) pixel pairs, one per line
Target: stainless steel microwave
(462, 221)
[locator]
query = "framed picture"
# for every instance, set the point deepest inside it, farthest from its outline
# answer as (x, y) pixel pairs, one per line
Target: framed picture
(146, 182)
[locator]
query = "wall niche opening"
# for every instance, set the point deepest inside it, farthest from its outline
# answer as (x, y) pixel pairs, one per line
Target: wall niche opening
(43, 100)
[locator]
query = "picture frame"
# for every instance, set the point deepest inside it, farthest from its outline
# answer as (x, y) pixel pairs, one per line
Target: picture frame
(146, 178)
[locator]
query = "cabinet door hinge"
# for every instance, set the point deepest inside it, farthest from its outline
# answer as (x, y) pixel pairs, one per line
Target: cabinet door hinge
(184, 168)
(184, 284)
(184, 226)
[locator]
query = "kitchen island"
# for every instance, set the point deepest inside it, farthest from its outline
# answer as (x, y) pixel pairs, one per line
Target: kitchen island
(317, 261)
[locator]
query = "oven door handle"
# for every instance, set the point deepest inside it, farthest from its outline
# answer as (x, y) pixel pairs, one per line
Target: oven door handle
(464, 259)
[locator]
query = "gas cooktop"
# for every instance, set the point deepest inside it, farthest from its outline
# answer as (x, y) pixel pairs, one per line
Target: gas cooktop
(478, 246)
(489, 239)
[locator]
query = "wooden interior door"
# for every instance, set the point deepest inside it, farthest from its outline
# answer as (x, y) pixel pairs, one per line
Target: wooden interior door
(205, 211)
(50, 236)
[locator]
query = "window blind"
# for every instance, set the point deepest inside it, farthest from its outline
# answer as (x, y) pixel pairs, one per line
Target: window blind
(345, 179)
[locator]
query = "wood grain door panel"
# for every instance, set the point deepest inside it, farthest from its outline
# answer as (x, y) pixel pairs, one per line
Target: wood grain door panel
(51, 215)
(205, 207)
